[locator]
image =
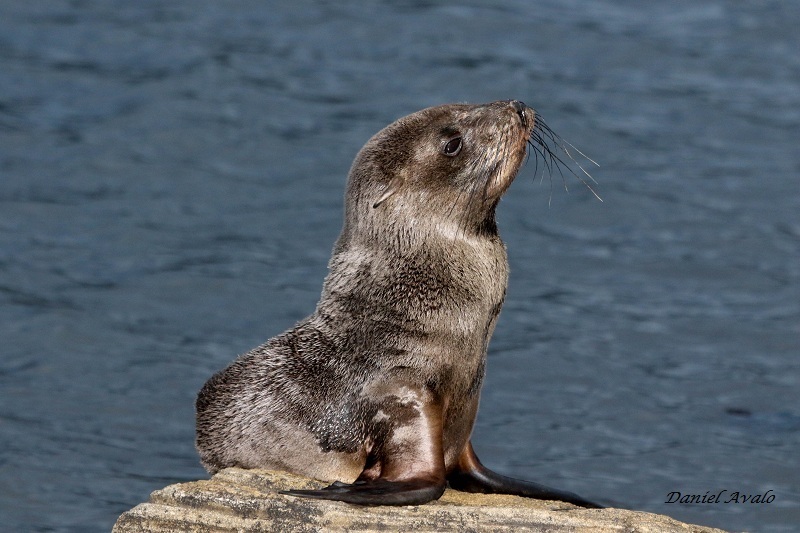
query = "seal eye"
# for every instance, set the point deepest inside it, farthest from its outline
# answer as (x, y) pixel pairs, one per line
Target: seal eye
(452, 147)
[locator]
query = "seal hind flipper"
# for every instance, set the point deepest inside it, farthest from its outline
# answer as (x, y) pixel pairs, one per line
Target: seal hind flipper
(378, 492)
(470, 475)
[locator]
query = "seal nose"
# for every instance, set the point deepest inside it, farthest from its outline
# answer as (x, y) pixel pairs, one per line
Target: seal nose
(520, 108)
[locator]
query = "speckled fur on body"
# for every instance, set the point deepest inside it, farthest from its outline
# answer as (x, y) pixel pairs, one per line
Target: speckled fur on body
(397, 343)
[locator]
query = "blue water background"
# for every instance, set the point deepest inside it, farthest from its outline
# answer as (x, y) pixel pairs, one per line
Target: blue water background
(171, 182)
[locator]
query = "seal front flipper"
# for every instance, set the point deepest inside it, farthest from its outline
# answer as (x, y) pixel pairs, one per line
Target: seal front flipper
(378, 492)
(471, 476)
(407, 465)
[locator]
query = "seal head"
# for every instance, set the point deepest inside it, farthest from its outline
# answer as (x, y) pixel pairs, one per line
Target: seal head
(452, 163)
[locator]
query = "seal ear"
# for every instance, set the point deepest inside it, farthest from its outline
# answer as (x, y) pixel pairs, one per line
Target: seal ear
(392, 188)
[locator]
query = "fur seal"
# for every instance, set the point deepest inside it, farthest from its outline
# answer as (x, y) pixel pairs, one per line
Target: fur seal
(378, 389)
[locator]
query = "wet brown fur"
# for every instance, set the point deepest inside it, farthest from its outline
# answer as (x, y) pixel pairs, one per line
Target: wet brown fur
(397, 344)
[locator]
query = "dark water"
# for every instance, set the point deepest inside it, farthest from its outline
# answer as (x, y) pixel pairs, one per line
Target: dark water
(171, 176)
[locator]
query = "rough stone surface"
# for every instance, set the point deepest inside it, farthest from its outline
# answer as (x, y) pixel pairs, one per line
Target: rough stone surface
(246, 500)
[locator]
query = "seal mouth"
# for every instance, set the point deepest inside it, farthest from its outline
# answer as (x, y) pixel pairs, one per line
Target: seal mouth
(504, 164)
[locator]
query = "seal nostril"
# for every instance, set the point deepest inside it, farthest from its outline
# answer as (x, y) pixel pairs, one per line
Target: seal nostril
(520, 108)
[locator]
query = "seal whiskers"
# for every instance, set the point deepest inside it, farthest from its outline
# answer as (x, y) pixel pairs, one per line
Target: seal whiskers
(538, 142)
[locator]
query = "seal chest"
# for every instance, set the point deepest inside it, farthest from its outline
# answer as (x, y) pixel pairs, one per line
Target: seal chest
(378, 389)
